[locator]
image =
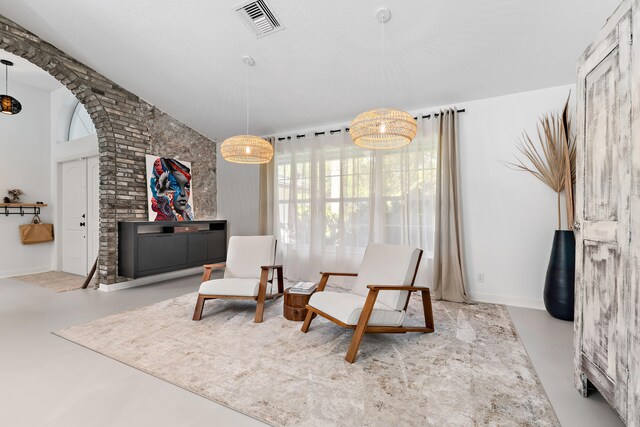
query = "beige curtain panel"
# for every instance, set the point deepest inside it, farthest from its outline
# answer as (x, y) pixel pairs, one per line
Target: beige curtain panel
(448, 280)
(267, 174)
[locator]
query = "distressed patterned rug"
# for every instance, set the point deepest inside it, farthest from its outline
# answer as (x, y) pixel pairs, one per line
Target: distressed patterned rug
(58, 281)
(472, 371)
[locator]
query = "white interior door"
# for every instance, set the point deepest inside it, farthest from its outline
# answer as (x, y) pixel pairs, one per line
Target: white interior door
(93, 210)
(74, 217)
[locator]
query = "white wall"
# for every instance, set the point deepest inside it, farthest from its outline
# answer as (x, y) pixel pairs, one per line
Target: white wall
(25, 153)
(32, 148)
(508, 216)
(238, 196)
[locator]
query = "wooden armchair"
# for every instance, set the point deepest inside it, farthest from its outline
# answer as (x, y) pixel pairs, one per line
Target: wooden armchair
(372, 307)
(248, 274)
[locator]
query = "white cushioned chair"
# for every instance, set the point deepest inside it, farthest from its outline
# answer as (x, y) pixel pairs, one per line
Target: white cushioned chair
(248, 274)
(379, 298)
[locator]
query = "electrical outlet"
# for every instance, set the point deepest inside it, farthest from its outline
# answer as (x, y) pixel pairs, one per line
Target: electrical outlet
(480, 277)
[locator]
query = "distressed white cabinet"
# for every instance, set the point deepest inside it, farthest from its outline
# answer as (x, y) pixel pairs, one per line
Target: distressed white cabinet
(607, 324)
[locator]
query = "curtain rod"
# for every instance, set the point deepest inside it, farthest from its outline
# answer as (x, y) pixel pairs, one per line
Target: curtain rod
(428, 116)
(331, 132)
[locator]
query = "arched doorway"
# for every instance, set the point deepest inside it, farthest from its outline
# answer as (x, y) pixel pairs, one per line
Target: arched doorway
(113, 112)
(127, 129)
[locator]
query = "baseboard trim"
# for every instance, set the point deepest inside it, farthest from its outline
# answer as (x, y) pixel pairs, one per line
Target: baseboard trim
(148, 280)
(24, 271)
(537, 304)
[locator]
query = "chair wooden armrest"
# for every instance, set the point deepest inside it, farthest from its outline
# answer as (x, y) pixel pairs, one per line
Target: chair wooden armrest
(325, 278)
(397, 288)
(215, 266)
(324, 273)
(208, 269)
(264, 277)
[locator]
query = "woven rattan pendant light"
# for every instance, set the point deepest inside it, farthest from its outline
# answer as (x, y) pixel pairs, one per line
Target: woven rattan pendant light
(383, 128)
(247, 149)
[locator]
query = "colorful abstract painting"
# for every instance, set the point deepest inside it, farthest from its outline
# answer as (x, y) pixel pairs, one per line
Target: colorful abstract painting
(170, 197)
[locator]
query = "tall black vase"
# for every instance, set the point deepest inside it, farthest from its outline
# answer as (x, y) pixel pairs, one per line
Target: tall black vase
(559, 286)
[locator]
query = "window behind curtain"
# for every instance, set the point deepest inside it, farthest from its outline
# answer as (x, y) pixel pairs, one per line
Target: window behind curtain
(333, 198)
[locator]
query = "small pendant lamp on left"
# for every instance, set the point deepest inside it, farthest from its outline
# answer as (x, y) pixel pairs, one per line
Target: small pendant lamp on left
(8, 104)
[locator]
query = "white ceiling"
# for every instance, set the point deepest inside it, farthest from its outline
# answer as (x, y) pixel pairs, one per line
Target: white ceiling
(26, 73)
(184, 55)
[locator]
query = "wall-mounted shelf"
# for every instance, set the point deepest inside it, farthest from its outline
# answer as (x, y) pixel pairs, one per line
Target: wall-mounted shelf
(21, 208)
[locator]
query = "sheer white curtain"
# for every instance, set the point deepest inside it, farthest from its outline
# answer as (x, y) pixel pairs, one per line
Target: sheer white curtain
(332, 198)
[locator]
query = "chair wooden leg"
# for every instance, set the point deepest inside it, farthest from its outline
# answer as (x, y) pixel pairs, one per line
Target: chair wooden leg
(362, 326)
(259, 311)
(307, 320)
(428, 311)
(197, 313)
(262, 295)
(280, 280)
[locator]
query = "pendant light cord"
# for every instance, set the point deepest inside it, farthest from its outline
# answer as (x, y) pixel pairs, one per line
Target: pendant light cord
(382, 64)
(247, 90)
(6, 79)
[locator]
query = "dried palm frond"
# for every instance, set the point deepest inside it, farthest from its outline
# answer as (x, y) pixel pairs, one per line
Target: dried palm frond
(546, 156)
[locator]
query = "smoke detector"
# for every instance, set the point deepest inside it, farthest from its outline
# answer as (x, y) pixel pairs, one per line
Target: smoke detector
(259, 17)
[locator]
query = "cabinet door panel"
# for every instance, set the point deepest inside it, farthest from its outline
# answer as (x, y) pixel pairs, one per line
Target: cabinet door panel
(601, 263)
(602, 131)
(197, 248)
(160, 252)
(216, 245)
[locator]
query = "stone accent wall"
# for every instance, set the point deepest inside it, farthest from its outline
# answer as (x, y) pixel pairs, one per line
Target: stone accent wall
(170, 138)
(128, 128)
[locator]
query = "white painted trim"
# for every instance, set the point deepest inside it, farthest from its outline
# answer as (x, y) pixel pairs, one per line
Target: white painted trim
(84, 154)
(508, 300)
(56, 195)
(150, 279)
(24, 271)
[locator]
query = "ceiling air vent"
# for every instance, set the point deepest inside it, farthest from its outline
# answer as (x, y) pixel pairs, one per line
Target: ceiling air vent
(258, 16)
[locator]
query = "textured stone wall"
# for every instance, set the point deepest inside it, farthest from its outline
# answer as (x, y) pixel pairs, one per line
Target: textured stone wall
(170, 138)
(128, 128)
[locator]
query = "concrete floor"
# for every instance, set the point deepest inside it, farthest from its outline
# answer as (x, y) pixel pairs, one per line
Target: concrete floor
(48, 381)
(549, 343)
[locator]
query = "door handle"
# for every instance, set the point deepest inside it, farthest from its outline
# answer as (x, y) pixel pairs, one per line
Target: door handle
(82, 224)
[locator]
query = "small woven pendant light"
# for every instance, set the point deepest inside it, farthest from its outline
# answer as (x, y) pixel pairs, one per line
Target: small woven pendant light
(247, 149)
(383, 128)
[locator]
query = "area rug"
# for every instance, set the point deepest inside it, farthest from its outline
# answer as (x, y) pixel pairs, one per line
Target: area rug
(472, 371)
(58, 281)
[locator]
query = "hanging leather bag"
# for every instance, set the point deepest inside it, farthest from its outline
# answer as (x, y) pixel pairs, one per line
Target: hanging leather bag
(36, 232)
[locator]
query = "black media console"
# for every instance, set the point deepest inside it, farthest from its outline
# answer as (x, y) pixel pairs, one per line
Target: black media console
(146, 248)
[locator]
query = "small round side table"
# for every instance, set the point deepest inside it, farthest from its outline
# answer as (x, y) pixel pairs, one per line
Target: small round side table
(294, 306)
